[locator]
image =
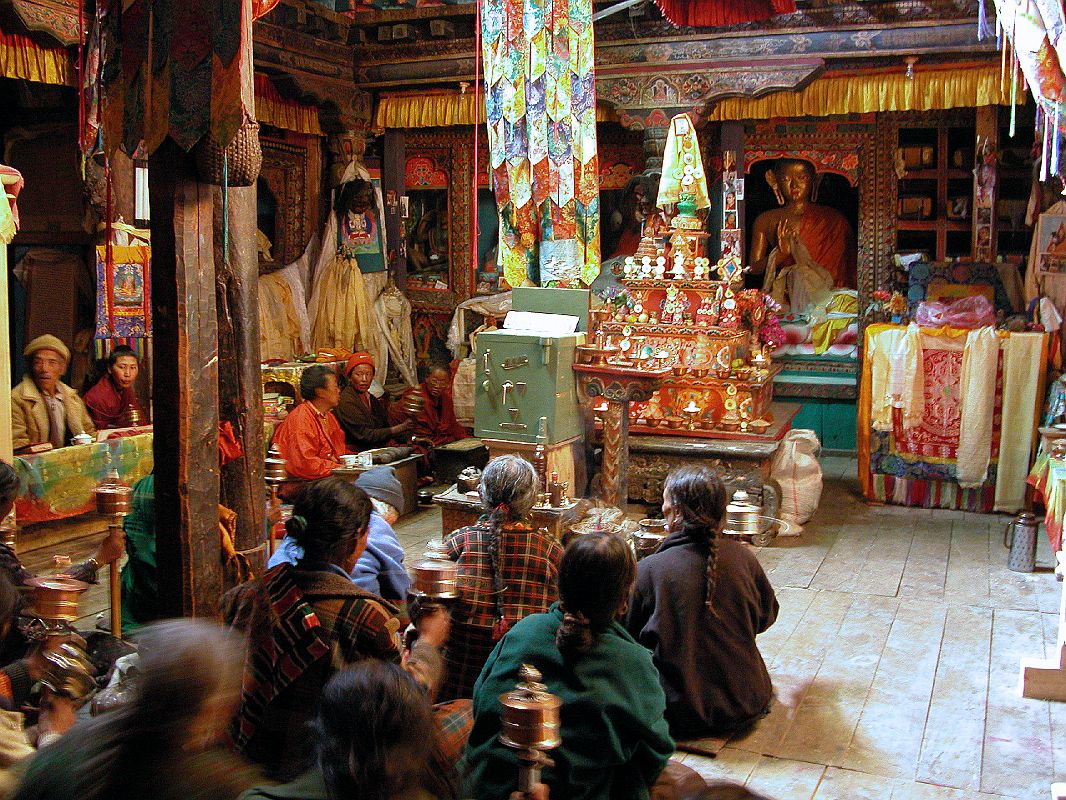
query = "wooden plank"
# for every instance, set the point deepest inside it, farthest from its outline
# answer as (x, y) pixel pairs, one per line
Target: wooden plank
(804, 557)
(794, 668)
(927, 562)
(1056, 711)
(841, 568)
(794, 604)
(185, 367)
(730, 764)
(1021, 591)
(887, 738)
(967, 576)
(822, 728)
(885, 562)
(845, 784)
(1017, 742)
(954, 730)
(780, 778)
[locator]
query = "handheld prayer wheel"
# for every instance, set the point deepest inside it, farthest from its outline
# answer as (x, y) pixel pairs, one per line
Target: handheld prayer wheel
(741, 516)
(649, 537)
(413, 404)
(530, 724)
(435, 577)
(68, 672)
(114, 501)
(274, 468)
(132, 417)
(55, 601)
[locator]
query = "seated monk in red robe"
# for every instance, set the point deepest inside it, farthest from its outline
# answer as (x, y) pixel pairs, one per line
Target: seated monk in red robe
(310, 438)
(437, 425)
(109, 401)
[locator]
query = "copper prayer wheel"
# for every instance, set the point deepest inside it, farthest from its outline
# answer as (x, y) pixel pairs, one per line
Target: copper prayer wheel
(274, 467)
(530, 719)
(132, 418)
(649, 538)
(68, 672)
(741, 516)
(55, 597)
(413, 404)
(435, 578)
(113, 498)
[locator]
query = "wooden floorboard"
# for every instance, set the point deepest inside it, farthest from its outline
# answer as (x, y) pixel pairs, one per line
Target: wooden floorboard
(825, 721)
(845, 784)
(925, 572)
(784, 779)
(887, 739)
(954, 731)
(1018, 758)
(967, 577)
(794, 604)
(885, 562)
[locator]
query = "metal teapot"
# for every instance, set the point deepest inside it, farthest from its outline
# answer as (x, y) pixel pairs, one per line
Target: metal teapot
(1020, 537)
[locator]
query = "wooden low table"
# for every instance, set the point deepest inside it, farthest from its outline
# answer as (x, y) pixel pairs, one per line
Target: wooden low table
(743, 460)
(457, 510)
(406, 472)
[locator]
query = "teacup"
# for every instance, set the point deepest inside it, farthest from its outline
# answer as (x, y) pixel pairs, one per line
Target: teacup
(82, 438)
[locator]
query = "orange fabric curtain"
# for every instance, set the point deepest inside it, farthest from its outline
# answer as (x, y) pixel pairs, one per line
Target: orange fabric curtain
(24, 59)
(281, 112)
(715, 13)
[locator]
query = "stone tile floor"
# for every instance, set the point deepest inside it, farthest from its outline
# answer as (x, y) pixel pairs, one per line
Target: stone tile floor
(895, 658)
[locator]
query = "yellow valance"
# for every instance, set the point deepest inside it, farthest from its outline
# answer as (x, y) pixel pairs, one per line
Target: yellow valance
(281, 112)
(441, 110)
(23, 59)
(959, 87)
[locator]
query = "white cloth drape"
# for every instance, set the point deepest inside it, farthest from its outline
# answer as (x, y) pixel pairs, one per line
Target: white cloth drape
(980, 359)
(1023, 359)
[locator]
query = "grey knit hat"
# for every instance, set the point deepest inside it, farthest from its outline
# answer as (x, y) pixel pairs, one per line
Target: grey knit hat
(382, 484)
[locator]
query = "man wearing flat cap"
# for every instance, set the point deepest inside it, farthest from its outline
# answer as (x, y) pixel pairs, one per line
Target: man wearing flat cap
(43, 408)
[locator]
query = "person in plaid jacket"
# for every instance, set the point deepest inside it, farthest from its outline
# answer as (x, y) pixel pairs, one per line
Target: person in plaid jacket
(507, 571)
(305, 621)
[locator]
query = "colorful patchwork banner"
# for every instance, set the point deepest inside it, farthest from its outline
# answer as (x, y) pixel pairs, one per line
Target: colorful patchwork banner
(540, 105)
(123, 292)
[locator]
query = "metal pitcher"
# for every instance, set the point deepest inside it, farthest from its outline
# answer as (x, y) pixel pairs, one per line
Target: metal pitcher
(1020, 537)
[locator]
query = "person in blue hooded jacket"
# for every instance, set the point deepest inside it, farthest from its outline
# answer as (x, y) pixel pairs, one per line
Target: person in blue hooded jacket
(380, 569)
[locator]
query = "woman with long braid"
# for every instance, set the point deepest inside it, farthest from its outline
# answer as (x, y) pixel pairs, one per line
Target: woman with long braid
(698, 604)
(507, 571)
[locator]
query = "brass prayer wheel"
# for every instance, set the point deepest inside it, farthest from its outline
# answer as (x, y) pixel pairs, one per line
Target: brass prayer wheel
(435, 576)
(649, 538)
(55, 598)
(741, 516)
(132, 417)
(274, 467)
(530, 719)
(113, 498)
(413, 405)
(68, 672)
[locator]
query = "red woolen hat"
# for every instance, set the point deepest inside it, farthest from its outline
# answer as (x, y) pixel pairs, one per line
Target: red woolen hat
(356, 359)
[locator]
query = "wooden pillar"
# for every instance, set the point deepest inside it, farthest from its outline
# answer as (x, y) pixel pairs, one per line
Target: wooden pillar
(240, 389)
(6, 452)
(393, 166)
(185, 366)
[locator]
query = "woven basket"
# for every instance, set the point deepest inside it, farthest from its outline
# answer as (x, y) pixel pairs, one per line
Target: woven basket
(244, 154)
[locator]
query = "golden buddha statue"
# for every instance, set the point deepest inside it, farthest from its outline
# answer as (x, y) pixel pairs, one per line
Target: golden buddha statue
(803, 249)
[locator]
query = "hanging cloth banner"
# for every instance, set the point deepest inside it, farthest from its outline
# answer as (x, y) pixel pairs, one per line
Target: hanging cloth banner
(540, 104)
(171, 69)
(123, 292)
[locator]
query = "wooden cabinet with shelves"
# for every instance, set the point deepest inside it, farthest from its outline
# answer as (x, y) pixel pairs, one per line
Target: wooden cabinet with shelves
(1014, 179)
(934, 192)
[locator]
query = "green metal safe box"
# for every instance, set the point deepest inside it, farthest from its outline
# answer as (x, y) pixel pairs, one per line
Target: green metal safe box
(523, 376)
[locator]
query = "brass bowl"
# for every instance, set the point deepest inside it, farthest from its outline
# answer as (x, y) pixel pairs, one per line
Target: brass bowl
(678, 369)
(652, 422)
(700, 372)
(674, 423)
(758, 425)
(723, 372)
(729, 425)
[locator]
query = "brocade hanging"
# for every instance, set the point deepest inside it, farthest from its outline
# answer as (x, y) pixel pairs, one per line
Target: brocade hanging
(540, 102)
(172, 69)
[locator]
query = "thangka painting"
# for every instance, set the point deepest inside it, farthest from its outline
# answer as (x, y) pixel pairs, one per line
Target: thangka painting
(123, 292)
(1051, 243)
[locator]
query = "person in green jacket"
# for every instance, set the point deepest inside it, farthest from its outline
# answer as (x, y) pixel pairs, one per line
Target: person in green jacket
(615, 741)
(140, 592)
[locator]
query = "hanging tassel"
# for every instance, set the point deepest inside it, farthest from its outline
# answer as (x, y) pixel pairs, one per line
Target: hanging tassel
(982, 20)
(1044, 150)
(1055, 142)
(225, 208)
(500, 628)
(1013, 95)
